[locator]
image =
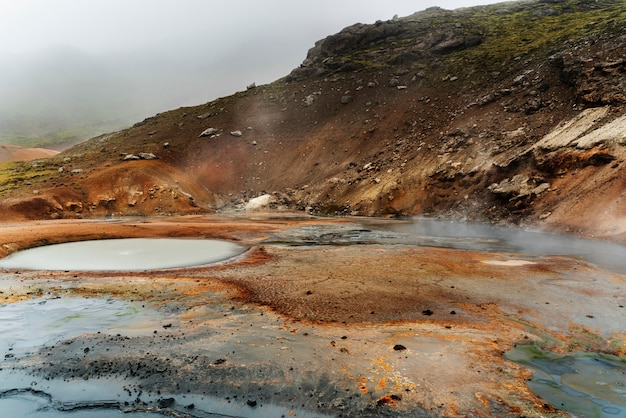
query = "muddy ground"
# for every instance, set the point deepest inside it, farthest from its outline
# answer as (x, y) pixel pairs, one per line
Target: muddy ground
(319, 316)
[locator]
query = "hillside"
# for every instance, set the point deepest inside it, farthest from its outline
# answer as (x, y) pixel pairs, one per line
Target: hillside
(505, 113)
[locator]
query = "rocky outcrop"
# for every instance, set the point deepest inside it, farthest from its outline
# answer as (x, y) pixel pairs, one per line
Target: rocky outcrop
(405, 40)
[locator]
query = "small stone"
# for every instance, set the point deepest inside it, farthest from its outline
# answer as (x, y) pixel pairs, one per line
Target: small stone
(251, 403)
(399, 347)
(236, 133)
(208, 132)
(346, 99)
(308, 100)
(147, 156)
(166, 403)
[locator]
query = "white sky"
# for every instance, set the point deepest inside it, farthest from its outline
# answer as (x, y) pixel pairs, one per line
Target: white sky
(100, 25)
(176, 52)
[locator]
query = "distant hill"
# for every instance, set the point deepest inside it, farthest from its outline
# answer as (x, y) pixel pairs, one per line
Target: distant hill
(505, 113)
(14, 153)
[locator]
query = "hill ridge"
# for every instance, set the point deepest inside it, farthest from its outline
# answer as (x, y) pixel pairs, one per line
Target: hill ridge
(503, 113)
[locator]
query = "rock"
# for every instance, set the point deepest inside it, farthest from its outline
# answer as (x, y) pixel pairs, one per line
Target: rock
(399, 347)
(236, 133)
(130, 157)
(259, 202)
(74, 206)
(251, 86)
(166, 145)
(147, 156)
(166, 403)
(519, 186)
(308, 100)
(77, 171)
(346, 99)
(204, 115)
(209, 132)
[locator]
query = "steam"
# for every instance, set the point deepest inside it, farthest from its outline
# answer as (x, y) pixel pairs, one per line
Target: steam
(496, 238)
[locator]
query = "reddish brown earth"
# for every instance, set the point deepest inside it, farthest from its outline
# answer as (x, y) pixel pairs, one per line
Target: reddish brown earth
(455, 311)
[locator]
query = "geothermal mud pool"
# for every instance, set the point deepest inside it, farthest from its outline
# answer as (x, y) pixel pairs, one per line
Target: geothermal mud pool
(129, 254)
(320, 317)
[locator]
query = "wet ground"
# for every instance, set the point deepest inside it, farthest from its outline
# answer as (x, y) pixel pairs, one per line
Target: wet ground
(320, 317)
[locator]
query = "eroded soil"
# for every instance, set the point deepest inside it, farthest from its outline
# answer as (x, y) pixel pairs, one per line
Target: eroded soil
(346, 329)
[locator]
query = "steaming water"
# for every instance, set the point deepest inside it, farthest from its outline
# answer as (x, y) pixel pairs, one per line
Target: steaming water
(482, 237)
(123, 254)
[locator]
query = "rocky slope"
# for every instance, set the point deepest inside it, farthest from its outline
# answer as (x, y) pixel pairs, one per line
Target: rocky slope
(506, 113)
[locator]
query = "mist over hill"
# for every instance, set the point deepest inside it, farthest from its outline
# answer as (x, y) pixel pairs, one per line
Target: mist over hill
(63, 96)
(122, 67)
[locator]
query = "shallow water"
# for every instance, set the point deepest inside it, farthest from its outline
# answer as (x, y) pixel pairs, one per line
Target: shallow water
(593, 385)
(106, 398)
(131, 254)
(27, 326)
(33, 323)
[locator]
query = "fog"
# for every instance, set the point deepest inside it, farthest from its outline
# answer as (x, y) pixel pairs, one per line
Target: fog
(71, 69)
